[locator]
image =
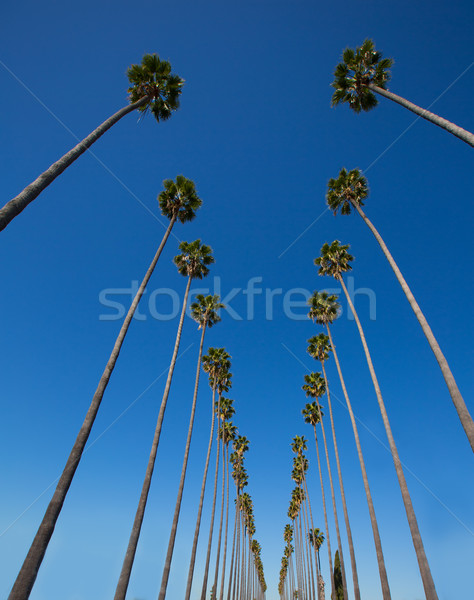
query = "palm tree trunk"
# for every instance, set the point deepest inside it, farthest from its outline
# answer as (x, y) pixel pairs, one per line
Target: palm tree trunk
(328, 540)
(460, 405)
(235, 587)
(219, 539)
(355, 579)
(378, 544)
(336, 520)
(124, 578)
(308, 552)
(174, 526)
(425, 572)
(15, 206)
(26, 577)
(221, 595)
(233, 548)
(459, 132)
(201, 502)
(211, 527)
(312, 529)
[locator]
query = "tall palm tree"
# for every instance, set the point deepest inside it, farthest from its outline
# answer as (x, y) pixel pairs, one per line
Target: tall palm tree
(335, 260)
(153, 87)
(205, 312)
(324, 312)
(363, 71)
(178, 201)
(350, 190)
(193, 262)
(319, 349)
(216, 364)
(312, 414)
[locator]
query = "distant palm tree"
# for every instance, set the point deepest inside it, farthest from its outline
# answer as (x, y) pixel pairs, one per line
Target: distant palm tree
(312, 415)
(335, 260)
(194, 263)
(364, 71)
(349, 191)
(178, 201)
(153, 87)
(319, 349)
(205, 312)
(217, 364)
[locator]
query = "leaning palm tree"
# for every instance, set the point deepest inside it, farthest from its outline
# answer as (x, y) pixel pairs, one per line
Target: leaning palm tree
(205, 312)
(312, 414)
(335, 260)
(217, 364)
(324, 311)
(362, 72)
(349, 191)
(178, 201)
(319, 349)
(194, 263)
(153, 87)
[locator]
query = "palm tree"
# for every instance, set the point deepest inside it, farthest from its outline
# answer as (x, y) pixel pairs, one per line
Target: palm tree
(153, 87)
(324, 312)
(350, 190)
(217, 364)
(312, 414)
(362, 72)
(334, 260)
(319, 349)
(194, 263)
(178, 201)
(205, 312)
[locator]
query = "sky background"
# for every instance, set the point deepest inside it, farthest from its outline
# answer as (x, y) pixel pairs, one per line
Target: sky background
(258, 136)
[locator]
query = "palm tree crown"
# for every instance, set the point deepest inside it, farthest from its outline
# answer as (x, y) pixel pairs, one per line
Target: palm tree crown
(360, 68)
(319, 347)
(323, 308)
(204, 310)
(314, 385)
(194, 260)
(349, 187)
(312, 414)
(153, 79)
(334, 259)
(179, 199)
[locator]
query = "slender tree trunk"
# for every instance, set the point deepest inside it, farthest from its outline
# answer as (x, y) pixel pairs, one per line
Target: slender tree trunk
(460, 405)
(124, 578)
(425, 572)
(26, 577)
(211, 528)
(233, 547)
(219, 539)
(336, 520)
(235, 587)
(308, 550)
(201, 502)
(312, 529)
(221, 595)
(328, 541)
(15, 206)
(459, 132)
(355, 579)
(373, 520)
(174, 526)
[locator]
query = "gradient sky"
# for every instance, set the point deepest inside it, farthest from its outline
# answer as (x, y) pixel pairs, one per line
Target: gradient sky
(256, 133)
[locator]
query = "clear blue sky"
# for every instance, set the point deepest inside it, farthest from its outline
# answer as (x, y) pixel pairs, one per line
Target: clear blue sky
(257, 135)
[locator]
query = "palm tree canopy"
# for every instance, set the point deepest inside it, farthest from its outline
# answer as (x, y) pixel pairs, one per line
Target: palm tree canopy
(204, 310)
(179, 198)
(334, 259)
(216, 361)
(319, 347)
(153, 79)
(323, 308)
(194, 260)
(299, 444)
(314, 385)
(312, 413)
(358, 69)
(349, 187)
(226, 410)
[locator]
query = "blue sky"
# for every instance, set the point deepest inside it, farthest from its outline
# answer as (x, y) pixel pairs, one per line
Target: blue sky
(257, 135)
